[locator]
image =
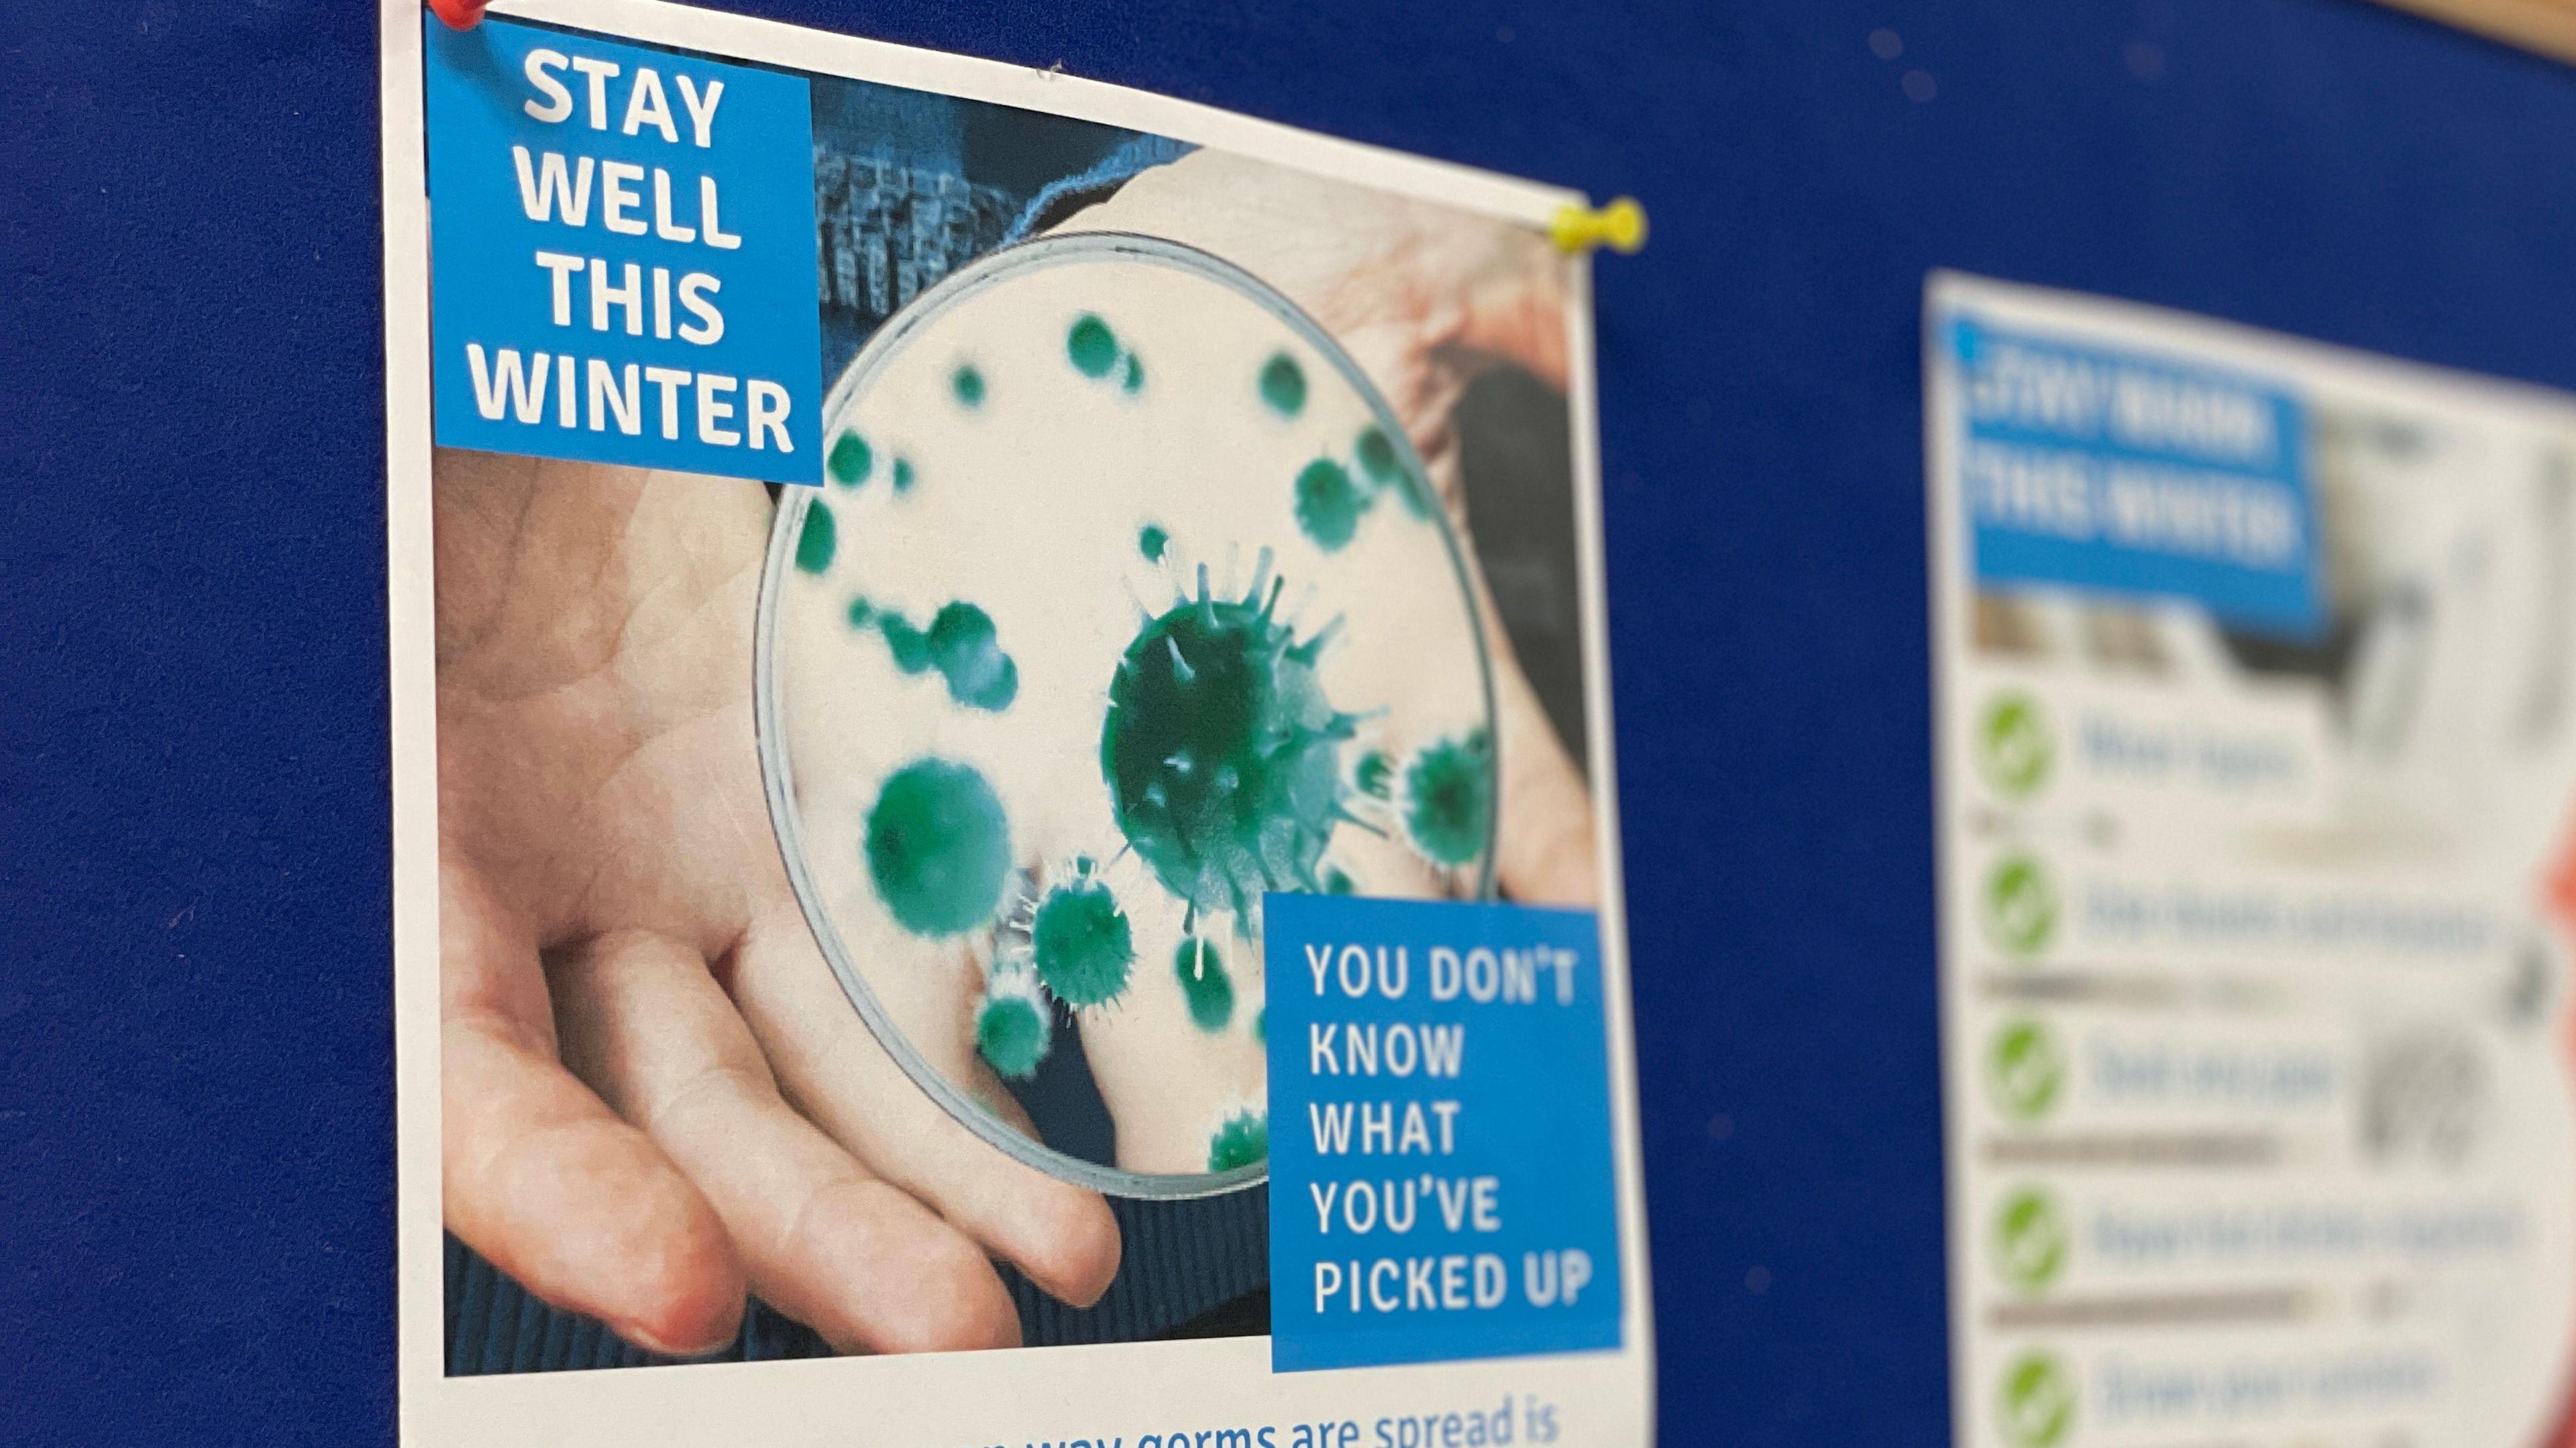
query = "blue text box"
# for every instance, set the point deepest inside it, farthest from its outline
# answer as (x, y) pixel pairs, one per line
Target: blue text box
(622, 255)
(2117, 472)
(1441, 1171)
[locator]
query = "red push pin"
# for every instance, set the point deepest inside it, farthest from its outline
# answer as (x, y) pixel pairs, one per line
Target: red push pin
(459, 14)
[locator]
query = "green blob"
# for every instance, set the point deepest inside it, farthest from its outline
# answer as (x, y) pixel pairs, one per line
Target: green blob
(968, 384)
(1329, 504)
(910, 646)
(903, 475)
(1244, 1140)
(1133, 378)
(1091, 346)
(1221, 752)
(1375, 775)
(938, 847)
(1377, 456)
(1283, 385)
(960, 643)
(964, 647)
(1012, 1032)
(817, 540)
(1261, 1025)
(1082, 943)
(1378, 459)
(1204, 984)
(1450, 789)
(850, 460)
(1151, 541)
(1337, 883)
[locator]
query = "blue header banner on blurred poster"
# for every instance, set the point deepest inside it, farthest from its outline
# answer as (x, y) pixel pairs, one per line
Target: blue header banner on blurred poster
(621, 255)
(2123, 473)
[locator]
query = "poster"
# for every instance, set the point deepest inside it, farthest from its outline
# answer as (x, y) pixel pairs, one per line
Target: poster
(1003, 815)
(2256, 752)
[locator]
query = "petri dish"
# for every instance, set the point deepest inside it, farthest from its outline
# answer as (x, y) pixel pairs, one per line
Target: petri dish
(1124, 602)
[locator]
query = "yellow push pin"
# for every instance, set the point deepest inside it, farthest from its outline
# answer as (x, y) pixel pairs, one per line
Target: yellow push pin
(1620, 226)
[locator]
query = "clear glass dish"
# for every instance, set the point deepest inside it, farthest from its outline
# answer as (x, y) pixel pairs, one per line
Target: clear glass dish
(1124, 602)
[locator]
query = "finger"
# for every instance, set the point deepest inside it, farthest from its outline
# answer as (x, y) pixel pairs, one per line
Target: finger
(1543, 847)
(1175, 1055)
(1518, 314)
(833, 1069)
(540, 1177)
(829, 1243)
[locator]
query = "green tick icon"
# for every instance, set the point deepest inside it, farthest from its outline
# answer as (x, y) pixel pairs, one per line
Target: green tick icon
(2015, 746)
(2024, 1069)
(2020, 905)
(2030, 1240)
(2036, 1403)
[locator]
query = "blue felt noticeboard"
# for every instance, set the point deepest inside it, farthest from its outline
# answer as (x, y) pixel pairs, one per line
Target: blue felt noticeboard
(196, 1162)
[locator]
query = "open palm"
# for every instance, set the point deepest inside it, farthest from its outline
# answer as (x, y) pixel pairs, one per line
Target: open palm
(654, 1095)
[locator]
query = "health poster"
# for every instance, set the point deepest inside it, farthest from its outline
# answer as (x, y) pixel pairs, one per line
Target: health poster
(2256, 718)
(1003, 806)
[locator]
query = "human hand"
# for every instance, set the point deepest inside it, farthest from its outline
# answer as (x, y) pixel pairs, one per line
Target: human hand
(653, 1093)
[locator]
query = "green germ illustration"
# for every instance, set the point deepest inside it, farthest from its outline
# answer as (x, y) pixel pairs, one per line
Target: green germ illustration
(1091, 346)
(1449, 794)
(960, 643)
(1283, 385)
(1243, 1140)
(1011, 1026)
(1131, 377)
(1261, 1025)
(967, 382)
(1220, 750)
(1081, 943)
(910, 646)
(938, 846)
(1151, 541)
(903, 475)
(1329, 503)
(966, 651)
(1375, 775)
(849, 460)
(1338, 883)
(818, 539)
(1204, 983)
(1385, 467)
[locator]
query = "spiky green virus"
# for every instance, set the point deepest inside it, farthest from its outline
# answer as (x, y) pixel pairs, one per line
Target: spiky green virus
(1242, 1140)
(1081, 943)
(1221, 753)
(1375, 775)
(938, 847)
(1449, 798)
(1204, 983)
(1012, 1028)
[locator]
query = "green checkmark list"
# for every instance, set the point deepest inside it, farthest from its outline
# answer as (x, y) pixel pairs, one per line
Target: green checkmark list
(2015, 746)
(2024, 1070)
(2020, 905)
(2031, 1240)
(2036, 1401)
